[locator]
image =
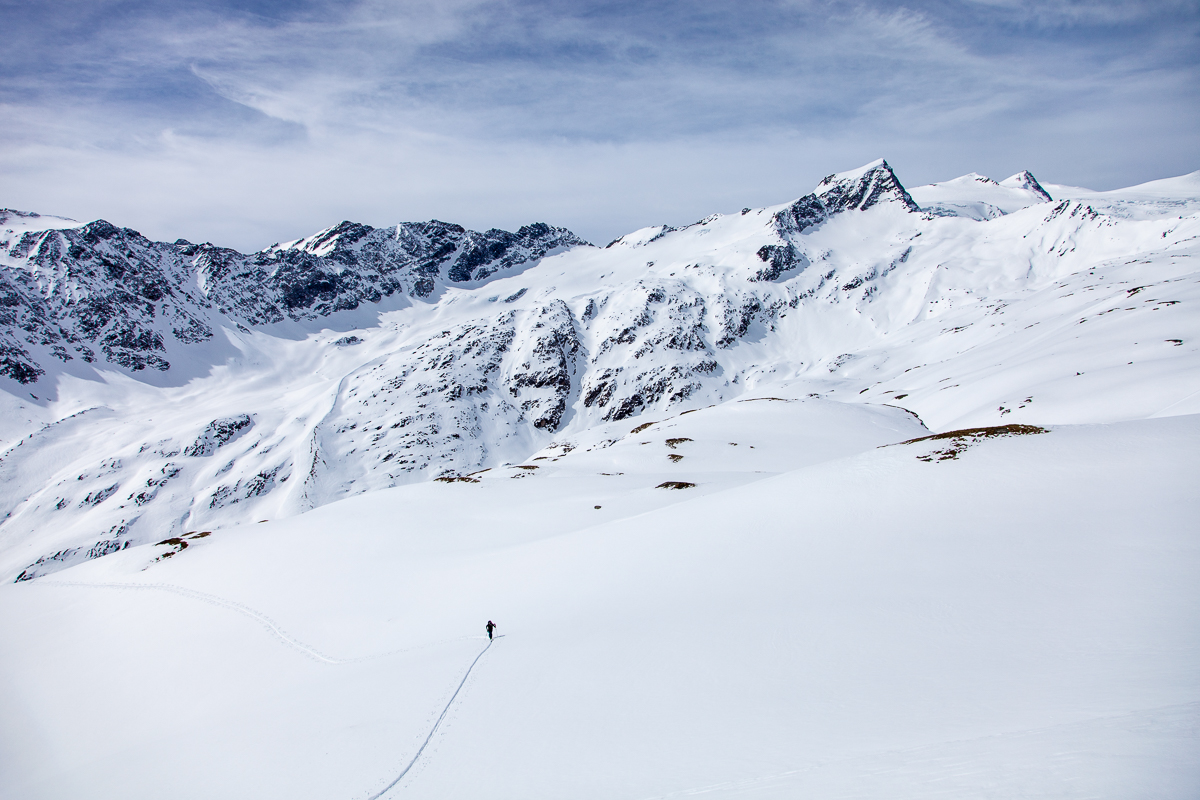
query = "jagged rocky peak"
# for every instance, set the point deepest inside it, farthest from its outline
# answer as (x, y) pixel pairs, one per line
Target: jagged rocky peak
(859, 189)
(342, 236)
(432, 250)
(1025, 180)
(863, 188)
(68, 290)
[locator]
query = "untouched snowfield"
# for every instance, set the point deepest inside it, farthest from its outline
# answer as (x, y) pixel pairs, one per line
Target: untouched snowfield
(875, 494)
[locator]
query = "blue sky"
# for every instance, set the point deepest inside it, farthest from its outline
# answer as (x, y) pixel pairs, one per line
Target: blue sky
(246, 123)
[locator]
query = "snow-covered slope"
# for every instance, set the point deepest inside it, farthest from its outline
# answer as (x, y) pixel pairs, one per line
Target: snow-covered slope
(979, 197)
(256, 508)
(1017, 620)
(1166, 197)
(494, 347)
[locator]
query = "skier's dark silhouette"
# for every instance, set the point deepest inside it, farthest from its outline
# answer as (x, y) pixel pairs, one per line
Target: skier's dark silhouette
(490, 627)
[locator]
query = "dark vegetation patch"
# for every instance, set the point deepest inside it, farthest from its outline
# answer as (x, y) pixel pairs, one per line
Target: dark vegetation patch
(524, 471)
(672, 443)
(675, 457)
(179, 543)
(457, 479)
(641, 428)
(675, 485)
(992, 431)
(962, 439)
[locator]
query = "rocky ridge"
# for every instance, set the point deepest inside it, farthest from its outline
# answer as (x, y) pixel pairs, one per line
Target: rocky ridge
(524, 341)
(97, 292)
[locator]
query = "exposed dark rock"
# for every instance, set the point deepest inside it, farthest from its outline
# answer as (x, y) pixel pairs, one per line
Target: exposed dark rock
(835, 195)
(219, 432)
(1025, 180)
(124, 295)
(780, 258)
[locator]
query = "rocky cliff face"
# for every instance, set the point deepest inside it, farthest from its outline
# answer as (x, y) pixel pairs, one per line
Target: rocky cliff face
(351, 264)
(101, 293)
(94, 292)
(859, 190)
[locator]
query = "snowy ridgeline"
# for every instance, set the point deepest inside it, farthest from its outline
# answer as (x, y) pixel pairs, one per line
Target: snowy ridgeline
(155, 389)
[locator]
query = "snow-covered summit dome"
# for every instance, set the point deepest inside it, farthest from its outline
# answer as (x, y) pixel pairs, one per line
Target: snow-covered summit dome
(978, 197)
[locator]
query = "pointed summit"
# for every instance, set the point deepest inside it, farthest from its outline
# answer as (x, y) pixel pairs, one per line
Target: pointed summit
(1025, 180)
(864, 187)
(858, 189)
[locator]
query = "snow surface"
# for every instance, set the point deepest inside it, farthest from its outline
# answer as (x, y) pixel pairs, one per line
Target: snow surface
(1017, 621)
(14, 223)
(1053, 313)
(237, 578)
(1151, 200)
(978, 197)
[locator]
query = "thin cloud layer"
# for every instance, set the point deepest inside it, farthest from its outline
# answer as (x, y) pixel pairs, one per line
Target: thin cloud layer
(248, 123)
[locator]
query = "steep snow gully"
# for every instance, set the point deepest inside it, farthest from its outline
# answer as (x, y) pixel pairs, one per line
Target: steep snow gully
(879, 492)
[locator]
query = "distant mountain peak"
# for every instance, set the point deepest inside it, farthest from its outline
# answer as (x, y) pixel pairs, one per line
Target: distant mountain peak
(858, 189)
(1025, 180)
(865, 187)
(135, 301)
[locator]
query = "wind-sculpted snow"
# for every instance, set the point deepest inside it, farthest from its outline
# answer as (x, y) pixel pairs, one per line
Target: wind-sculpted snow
(985, 304)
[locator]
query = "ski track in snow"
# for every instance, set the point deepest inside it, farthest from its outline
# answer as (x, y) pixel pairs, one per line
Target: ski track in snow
(436, 725)
(262, 619)
(852, 292)
(1017, 623)
(297, 645)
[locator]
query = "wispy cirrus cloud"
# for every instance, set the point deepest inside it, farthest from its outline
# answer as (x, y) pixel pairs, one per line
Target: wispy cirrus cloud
(255, 121)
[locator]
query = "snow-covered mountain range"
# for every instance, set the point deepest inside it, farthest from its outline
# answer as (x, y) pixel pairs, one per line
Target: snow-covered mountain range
(157, 388)
(880, 492)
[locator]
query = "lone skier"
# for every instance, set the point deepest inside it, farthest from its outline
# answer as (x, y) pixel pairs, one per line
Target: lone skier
(491, 626)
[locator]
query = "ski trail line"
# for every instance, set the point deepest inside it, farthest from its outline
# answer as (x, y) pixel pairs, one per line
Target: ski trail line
(262, 619)
(433, 730)
(257, 616)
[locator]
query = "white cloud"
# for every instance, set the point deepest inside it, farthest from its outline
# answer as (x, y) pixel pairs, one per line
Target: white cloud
(245, 129)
